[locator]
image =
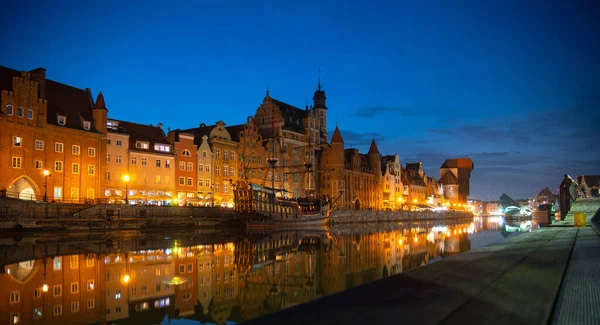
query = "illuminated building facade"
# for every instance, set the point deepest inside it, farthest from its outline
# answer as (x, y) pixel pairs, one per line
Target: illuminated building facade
(148, 165)
(455, 177)
(185, 157)
(47, 125)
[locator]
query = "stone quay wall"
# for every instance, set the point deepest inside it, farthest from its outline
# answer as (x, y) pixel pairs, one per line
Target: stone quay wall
(359, 216)
(31, 215)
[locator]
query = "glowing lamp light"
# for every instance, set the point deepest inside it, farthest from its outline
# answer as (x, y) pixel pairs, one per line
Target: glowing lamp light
(416, 239)
(126, 178)
(399, 241)
(46, 172)
(415, 201)
(45, 288)
(126, 278)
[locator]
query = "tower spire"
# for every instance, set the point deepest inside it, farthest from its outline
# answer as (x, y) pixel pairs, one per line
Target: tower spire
(319, 85)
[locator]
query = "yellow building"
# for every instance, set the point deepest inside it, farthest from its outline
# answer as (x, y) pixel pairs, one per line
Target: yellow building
(148, 163)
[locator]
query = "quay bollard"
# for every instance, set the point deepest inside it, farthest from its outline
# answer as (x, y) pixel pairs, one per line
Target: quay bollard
(579, 219)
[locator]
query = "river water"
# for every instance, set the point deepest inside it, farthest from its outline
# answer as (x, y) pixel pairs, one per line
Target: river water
(207, 276)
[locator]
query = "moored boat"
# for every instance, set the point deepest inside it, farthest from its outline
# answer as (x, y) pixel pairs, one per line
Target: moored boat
(262, 206)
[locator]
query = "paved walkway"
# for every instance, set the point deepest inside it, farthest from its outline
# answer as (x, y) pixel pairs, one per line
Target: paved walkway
(551, 275)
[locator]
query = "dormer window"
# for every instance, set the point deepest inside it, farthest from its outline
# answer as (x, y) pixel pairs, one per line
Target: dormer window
(62, 120)
(9, 110)
(142, 145)
(86, 125)
(162, 147)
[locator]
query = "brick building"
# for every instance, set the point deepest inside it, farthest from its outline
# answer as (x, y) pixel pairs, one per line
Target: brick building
(47, 125)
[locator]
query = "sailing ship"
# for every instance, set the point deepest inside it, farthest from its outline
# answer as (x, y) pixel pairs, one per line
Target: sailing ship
(264, 205)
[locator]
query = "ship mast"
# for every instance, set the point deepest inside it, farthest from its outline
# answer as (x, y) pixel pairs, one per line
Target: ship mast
(273, 160)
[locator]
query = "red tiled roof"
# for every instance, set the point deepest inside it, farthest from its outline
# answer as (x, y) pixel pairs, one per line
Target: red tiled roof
(458, 163)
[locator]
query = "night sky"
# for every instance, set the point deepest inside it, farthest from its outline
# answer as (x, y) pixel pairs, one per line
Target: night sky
(515, 85)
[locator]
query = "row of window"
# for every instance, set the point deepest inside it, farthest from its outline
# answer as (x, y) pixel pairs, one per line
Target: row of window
(17, 162)
(57, 310)
(143, 178)
(60, 119)
(143, 161)
(58, 146)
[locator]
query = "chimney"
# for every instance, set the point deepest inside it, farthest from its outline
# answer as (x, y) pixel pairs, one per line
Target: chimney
(39, 75)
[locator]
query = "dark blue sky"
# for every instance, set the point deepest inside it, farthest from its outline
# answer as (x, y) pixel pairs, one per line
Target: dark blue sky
(515, 85)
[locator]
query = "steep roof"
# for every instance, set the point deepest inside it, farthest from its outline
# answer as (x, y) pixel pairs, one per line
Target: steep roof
(292, 115)
(199, 132)
(373, 149)
(590, 180)
(449, 179)
(506, 200)
(143, 132)
(74, 103)
(458, 163)
(413, 166)
(545, 192)
(337, 136)
(234, 131)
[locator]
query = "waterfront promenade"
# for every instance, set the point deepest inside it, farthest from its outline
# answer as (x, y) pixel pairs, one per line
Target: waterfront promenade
(548, 276)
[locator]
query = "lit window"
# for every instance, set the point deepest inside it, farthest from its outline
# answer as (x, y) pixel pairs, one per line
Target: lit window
(76, 150)
(58, 147)
(91, 169)
(90, 285)
(16, 162)
(17, 141)
(75, 168)
(30, 114)
(92, 152)
(86, 125)
(62, 120)
(14, 318)
(15, 296)
(58, 166)
(9, 110)
(20, 111)
(167, 164)
(39, 145)
(57, 290)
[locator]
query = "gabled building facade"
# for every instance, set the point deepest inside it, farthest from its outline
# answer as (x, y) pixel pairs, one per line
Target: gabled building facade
(49, 126)
(185, 157)
(461, 169)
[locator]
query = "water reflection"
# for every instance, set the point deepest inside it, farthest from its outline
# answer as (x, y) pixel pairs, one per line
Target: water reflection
(219, 279)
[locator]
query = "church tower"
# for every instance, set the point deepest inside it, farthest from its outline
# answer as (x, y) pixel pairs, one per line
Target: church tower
(320, 108)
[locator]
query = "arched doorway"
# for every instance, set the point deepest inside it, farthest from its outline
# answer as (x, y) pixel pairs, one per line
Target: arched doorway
(23, 188)
(357, 204)
(27, 194)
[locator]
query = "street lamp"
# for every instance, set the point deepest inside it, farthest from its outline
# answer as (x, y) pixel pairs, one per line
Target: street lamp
(126, 179)
(46, 173)
(212, 192)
